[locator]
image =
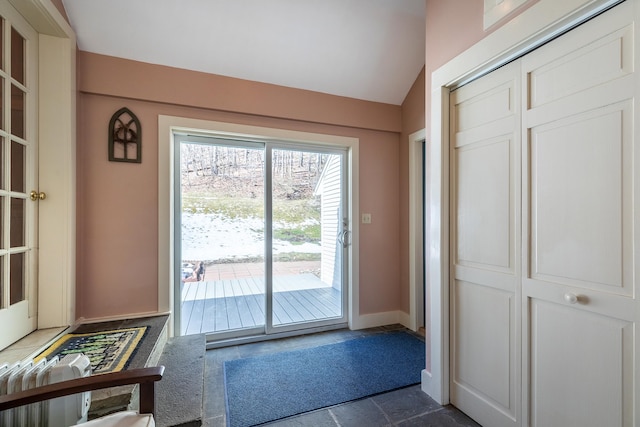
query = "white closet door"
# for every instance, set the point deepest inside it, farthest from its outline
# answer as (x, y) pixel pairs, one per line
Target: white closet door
(485, 242)
(578, 215)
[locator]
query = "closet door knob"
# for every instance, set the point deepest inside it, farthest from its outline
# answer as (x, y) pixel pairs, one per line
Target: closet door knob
(571, 298)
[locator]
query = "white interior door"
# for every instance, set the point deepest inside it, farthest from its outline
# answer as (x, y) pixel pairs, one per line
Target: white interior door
(580, 185)
(485, 242)
(18, 160)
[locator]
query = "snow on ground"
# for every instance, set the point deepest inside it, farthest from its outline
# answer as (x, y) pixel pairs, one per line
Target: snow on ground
(211, 237)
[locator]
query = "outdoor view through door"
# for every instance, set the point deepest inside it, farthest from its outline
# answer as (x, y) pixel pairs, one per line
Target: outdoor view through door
(262, 236)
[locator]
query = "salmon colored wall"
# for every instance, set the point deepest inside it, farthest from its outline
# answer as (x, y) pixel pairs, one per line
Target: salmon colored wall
(58, 4)
(130, 79)
(117, 241)
(117, 203)
(452, 26)
(413, 119)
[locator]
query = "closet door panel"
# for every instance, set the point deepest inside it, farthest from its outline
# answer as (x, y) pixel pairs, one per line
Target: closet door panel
(578, 226)
(608, 58)
(580, 216)
(595, 387)
(485, 284)
(480, 309)
(484, 216)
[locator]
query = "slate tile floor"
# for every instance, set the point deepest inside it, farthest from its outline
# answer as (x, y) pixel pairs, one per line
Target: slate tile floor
(406, 407)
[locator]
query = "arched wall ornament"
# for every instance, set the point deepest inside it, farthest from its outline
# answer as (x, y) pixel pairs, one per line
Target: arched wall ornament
(125, 137)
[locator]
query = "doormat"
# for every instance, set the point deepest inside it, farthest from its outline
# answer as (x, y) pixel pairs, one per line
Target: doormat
(270, 387)
(108, 351)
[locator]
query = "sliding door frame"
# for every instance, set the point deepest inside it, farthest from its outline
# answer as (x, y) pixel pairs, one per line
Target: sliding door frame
(168, 126)
(346, 267)
(210, 140)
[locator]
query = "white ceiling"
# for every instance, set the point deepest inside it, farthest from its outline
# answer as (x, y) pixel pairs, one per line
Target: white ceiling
(364, 49)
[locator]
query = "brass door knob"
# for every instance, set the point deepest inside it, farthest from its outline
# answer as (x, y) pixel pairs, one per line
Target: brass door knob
(34, 195)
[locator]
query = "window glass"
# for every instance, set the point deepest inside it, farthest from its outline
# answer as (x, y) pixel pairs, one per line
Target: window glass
(18, 155)
(17, 56)
(17, 111)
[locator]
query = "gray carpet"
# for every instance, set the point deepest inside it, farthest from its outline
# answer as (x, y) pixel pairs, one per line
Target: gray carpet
(179, 393)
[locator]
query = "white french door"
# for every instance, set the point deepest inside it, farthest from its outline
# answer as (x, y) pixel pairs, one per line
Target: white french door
(18, 176)
(544, 175)
(263, 233)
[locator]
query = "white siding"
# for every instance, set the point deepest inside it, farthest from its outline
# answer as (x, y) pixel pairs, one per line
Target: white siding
(331, 222)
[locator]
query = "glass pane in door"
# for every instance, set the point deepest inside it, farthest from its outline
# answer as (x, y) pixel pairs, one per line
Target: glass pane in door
(2, 286)
(17, 111)
(18, 170)
(17, 278)
(307, 231)
(2, 104)
(17, 231)
(17, 56)
(222, 234)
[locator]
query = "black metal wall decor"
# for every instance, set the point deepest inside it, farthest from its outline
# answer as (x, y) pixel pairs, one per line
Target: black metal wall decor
(125, 137)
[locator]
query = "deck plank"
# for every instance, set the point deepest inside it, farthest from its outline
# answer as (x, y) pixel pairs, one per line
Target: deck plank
(189, 290)
(280, 313)
(233, 315)
(208, 319)
(289, 309)
(311, 305)
(255, 306)
(185, 315)
(220, 308)
(197, 313)
(246, 318)
(295, 304)
(236, 288)
(256, 285)
(223, 305)
(328, 298)
(186, 307)
(319, 309)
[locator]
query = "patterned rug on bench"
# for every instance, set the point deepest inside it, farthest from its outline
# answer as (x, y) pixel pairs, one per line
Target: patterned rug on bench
(108, 351)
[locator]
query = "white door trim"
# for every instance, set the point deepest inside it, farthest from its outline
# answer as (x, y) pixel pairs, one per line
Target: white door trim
(416, 227)
(538, 24)
(167, 125)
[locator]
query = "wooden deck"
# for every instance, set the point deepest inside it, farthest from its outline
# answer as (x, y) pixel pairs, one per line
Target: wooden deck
(223, 305)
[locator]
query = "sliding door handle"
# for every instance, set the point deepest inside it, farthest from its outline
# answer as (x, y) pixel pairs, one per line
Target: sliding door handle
(345, 238)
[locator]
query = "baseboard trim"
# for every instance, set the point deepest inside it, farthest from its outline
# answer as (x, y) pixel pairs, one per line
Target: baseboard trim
(365, 321)
(427, 382)
(430, 386)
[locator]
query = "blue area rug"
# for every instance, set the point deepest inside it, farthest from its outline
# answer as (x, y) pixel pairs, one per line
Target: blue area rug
(266, 388)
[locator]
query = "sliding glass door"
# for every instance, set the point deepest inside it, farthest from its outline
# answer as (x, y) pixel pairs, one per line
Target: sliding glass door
(262, 233)
(307, 236)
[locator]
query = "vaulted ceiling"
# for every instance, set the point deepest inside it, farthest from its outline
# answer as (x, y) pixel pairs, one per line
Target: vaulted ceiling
(365, 49)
